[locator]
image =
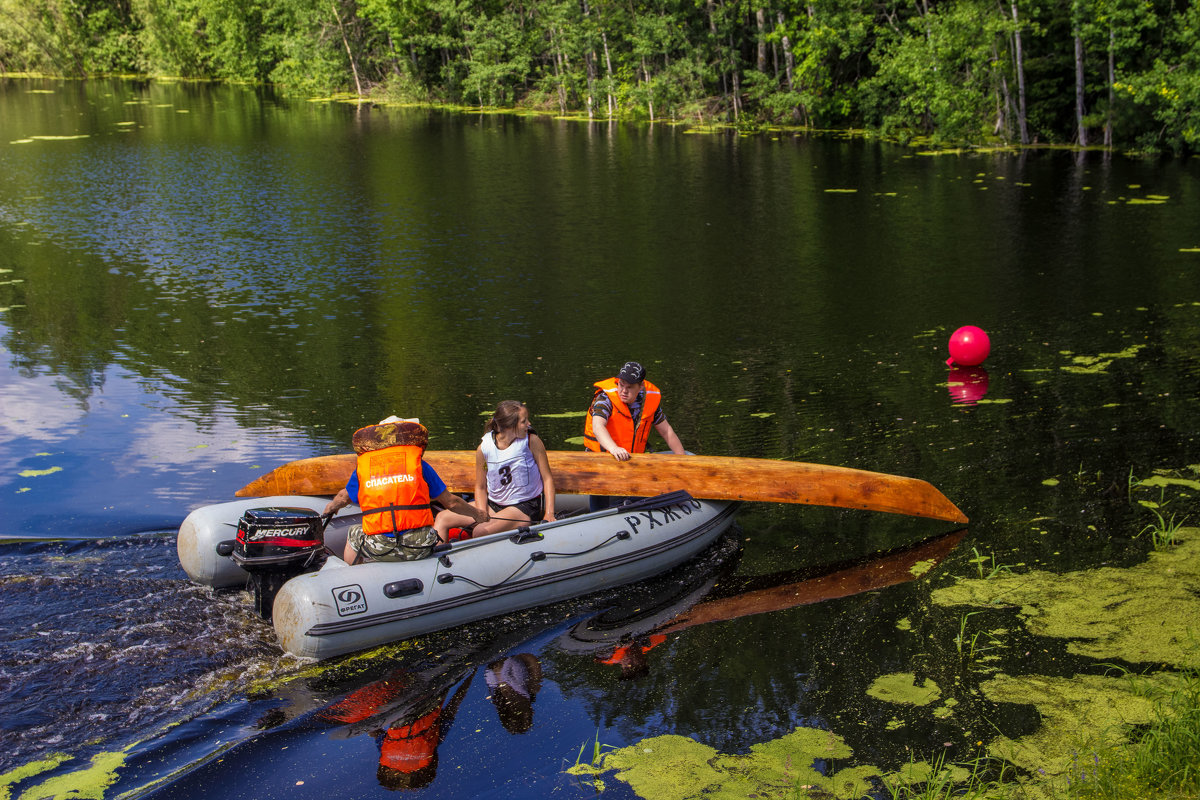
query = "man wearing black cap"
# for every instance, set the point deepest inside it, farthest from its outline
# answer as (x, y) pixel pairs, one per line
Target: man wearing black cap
(623, 411)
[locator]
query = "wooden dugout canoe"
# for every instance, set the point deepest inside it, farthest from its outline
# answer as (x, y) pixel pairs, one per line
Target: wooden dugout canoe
(649, 474)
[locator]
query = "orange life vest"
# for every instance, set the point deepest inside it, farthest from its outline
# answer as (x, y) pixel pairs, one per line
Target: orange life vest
(411, 747)
(623, 651)
(392, 491)
(367, 701)
(620, 423)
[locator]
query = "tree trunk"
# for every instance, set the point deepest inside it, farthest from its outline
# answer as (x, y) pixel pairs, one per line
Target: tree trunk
(1079, 90)
(712, 29)
(760, 62)
(649, 90)
(395, 56)
(1004, 103)
(1022, 124)
(612, 100)
(560, 68)
(1079, 76)
(349, 51)
(789, 59)
(1112, 79)
(736, 79)
(589, 64)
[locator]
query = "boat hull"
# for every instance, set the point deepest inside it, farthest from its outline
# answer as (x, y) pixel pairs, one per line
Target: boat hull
(341, 608)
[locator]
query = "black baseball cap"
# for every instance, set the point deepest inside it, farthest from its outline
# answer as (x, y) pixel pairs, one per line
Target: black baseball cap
(632, 372)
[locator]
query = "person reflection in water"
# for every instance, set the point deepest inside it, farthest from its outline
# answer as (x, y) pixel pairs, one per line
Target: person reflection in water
(408, 748)
(514, 683)
(631, 657)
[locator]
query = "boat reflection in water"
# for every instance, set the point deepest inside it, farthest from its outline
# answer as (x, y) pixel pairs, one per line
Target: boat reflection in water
(411, 709)
(625, 642)
(514, 684)
(409, 715)
(967, 385)
(410, 712)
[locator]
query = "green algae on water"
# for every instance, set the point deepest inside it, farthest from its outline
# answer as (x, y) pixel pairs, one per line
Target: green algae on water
(946, 710)
(14, 776)
(1167, 480)
(902, 687)
(672, 767)
(85, 784)
(921, 567)
(1095, 709)
(922, 772)
(1141, 614)
(1089, 365)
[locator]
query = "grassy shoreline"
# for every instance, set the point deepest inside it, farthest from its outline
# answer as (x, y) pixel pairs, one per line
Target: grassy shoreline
(381, 98)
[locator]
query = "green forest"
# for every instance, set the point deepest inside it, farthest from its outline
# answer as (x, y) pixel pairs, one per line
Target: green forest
(1122, 74)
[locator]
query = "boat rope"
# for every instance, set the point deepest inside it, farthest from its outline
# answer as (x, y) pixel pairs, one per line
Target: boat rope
(539, 555)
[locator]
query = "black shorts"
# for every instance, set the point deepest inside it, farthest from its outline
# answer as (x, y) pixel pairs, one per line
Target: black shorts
(534, 508)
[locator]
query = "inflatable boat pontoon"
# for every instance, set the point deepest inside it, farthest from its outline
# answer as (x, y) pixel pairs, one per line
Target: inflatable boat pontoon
(323, 607)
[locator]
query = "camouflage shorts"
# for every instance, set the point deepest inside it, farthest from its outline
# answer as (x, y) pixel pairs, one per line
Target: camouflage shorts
(408, 545)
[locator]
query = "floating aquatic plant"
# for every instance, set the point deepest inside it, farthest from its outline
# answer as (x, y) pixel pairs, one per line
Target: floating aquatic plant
(1084, 365)
(1164, 532)
(597, 751)
(937, 779)
(986, 565)
(902, 688)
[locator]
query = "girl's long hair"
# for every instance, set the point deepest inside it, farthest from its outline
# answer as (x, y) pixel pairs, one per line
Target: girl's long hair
(508, 414)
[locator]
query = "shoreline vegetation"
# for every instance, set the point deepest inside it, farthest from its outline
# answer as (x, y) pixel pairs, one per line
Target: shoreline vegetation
(1115, 75)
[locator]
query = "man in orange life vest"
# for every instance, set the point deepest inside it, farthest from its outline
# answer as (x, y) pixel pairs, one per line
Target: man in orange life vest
(623, 411)
(394, 487)
(408, 756)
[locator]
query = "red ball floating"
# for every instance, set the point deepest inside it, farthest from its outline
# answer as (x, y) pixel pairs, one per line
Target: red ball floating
(969, 346)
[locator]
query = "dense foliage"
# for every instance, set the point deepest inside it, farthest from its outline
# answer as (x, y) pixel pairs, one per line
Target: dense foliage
(1123, 73)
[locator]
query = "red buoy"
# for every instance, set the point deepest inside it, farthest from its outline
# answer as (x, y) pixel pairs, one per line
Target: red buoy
(969, 346)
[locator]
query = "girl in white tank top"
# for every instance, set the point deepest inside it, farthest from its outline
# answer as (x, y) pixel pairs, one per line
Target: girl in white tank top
(513, 483)
(512, 472)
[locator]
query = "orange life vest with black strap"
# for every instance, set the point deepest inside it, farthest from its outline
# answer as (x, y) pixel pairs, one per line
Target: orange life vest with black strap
(392, 491)
(623, 651)
(411, 747)
(620, 423)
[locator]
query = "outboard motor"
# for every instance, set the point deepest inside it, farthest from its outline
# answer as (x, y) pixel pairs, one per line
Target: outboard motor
(275, 545)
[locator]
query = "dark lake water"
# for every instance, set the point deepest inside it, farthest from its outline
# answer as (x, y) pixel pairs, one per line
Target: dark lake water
(199, 283)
